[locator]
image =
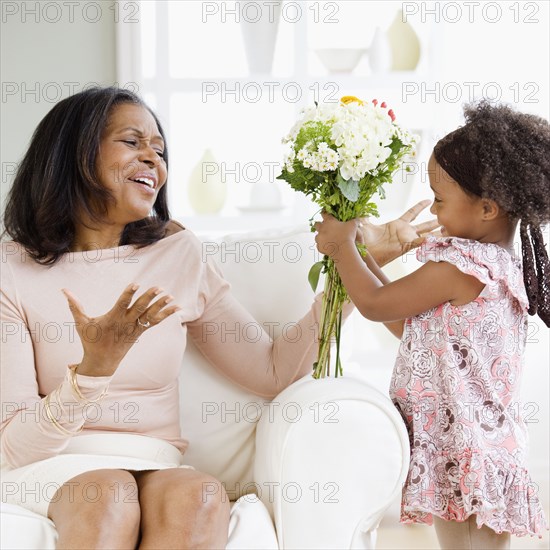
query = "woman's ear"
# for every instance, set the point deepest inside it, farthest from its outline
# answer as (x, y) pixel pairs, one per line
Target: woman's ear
(490, 209)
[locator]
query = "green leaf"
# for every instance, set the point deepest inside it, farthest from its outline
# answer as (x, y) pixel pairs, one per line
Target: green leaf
(314, 273)
(349, 188)
(362, 249)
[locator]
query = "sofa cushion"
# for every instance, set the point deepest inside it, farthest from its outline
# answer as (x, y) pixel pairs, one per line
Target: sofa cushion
(25, 530)
(268, 273)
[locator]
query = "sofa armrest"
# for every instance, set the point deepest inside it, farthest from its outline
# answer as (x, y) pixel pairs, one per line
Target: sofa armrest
(331, 457)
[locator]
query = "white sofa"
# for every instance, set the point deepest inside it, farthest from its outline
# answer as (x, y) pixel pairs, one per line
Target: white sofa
(326, 458)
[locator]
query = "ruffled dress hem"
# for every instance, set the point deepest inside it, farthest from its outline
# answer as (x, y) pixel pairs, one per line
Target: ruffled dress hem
(499, 492)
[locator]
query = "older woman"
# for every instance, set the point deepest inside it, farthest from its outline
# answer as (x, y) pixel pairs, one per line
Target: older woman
(95, 259)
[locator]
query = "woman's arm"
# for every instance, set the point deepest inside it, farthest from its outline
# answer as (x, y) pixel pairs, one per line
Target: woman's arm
(389, 241)
(27, 432)
(34, 428)
(243, 349)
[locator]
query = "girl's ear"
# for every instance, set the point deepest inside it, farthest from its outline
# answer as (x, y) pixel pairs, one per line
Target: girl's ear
(490, 209)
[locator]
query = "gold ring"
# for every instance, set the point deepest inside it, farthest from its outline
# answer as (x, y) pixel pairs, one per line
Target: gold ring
(147, 324)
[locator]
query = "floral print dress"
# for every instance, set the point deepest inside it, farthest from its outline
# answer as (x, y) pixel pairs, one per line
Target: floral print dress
(456, 383)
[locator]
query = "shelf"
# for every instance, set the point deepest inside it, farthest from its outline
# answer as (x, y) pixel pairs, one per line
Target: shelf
(213, 224)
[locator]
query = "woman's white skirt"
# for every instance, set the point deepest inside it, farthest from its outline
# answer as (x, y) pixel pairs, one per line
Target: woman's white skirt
(34, 486)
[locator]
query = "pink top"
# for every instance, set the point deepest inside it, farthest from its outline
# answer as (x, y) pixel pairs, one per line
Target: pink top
(39, 341)
(456, 383)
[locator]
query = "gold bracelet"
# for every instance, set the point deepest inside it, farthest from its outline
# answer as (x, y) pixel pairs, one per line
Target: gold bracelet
(76, 389)
(53, 421)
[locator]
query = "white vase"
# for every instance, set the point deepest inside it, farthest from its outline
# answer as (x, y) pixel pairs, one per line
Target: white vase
(206, 190)
(380, 54)
(404, 44)
(259, 29)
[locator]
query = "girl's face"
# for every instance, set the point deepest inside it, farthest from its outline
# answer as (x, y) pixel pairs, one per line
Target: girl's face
(130, 163)
(456, 211)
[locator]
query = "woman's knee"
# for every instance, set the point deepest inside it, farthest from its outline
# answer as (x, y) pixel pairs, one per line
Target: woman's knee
(109, 496)
(209, 496)
(182, 490)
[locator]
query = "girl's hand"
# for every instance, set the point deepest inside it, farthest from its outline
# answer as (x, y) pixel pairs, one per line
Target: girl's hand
(333, 234)
(108, 338)
(393, 239)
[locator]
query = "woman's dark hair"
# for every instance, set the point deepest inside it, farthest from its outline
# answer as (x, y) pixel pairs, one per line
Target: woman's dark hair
(504, 155)
(57, 179)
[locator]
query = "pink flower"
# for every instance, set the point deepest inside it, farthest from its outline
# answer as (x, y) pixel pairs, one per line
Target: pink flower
(383, 105)
(392, 115)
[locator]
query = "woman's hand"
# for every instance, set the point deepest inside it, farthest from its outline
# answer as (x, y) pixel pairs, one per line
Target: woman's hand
(333, 234)
(107, 339)
(393, 239)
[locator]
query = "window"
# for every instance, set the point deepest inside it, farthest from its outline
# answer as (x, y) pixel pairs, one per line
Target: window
(189, 59)
(191, 66)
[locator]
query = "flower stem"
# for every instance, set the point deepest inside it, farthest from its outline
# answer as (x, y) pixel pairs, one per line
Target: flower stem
(331, 322)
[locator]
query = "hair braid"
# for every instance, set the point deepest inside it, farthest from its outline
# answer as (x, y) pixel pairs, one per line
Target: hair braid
(543, 274)
(529, 273)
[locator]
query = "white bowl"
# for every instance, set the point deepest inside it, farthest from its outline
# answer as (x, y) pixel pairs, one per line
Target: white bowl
(340, 60)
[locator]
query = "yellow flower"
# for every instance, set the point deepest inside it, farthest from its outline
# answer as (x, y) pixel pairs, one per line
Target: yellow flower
(351, 99)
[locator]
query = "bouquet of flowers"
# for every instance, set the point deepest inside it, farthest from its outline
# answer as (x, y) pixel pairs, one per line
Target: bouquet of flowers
(340, 155)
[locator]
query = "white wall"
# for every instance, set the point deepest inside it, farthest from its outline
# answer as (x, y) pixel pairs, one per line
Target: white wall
(46, 56)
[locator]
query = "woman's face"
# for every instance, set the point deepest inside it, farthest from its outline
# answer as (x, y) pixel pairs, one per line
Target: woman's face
(130, 163)
(457, 212)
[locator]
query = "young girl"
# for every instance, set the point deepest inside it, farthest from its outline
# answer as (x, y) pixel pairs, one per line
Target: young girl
(462, 319)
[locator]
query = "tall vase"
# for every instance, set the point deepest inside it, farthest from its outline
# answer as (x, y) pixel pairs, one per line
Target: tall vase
(380, 55)
(404, 43)
(207, 191)
(259, 28)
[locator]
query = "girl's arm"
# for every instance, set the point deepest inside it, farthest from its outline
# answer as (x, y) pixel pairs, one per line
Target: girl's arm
(431, 285)
(395, 327)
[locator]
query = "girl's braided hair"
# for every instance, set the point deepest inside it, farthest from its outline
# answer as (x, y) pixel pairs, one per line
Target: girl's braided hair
(504, 155)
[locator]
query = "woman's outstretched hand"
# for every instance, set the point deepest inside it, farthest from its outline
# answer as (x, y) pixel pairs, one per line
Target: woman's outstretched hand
(107, 339)
(393, 239)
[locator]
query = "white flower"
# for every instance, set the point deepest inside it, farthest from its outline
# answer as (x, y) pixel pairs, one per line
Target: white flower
(302, 154)
(360, 139)
(289, 160)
